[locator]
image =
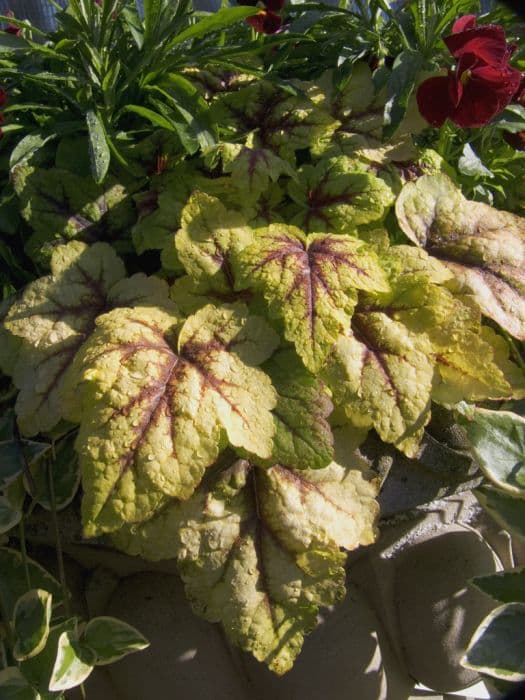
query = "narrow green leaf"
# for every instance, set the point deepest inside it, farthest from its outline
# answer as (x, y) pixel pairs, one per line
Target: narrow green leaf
(99, 152)
(31, 619)
(150, 115)
(400, 87)
(213, 23)
(111, 639)
(498, 645)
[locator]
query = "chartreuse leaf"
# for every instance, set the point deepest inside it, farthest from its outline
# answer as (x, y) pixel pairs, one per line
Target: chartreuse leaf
(60, 205)
(273, 118)
(507, 510)
(252, 169)
(259, 549)
(159, 211)
(111, 639)
(13, 685)
(303, 437)
(505, 586)
(56, 314)
(359, 108)
(497, 647)
(31, 619)
(497, 439)
(382, 379)
(158, 405)
(13, 582)
(208, 238)
(483, 247)
(335, 196)
(310, 283)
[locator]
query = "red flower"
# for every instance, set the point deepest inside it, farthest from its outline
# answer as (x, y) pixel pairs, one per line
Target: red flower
(483, 82)
(265, 22)
(3, 97)
(12, 28)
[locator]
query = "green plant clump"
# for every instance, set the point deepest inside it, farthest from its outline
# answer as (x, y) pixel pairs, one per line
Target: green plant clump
(216, 330)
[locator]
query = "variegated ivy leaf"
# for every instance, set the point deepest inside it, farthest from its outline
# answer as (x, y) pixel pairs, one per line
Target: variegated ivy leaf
(55, 315)
(209, 236)
(334, 196)
(59, 206)
(273, 119)
(383, 379)
(310, 283)
(259, 549)
(303, 437)
(252, 169)
(483, 247)
(159, 405)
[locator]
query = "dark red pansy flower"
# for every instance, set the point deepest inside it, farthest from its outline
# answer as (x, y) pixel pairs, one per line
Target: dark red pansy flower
(274, 5)
(483, 82)
(265, 22)
(3, 97)
(12, 28)
(517, 141)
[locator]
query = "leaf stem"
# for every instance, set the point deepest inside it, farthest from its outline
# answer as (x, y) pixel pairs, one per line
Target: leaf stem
(23, 551)
(58, 542)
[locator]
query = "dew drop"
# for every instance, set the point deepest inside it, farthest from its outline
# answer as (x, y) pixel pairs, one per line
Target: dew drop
(151, 457)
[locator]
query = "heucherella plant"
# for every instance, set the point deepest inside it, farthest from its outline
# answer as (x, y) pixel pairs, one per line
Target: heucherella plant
(308, 284)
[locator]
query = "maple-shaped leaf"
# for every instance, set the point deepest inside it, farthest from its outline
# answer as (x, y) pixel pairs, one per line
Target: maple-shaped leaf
(54, 316)
(303, 437)
(60, 205)
(158, 405)
(272, 118)
(359, 108)
(382, 379)
(259, 549)
(483, 247)
(252, 169)
(336, 197)
(208, 237)
(310, 283)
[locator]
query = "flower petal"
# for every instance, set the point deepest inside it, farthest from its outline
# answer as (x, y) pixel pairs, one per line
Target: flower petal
(463, 23)
(487, 43)
(433, 100)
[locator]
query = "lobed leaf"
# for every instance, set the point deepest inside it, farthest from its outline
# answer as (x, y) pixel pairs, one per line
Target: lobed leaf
(258, 550)
(158, 405)
(55, 315)
(310, 284)
(483, 247)
(334, 196)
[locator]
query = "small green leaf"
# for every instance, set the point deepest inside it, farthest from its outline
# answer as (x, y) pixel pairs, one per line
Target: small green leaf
(470, 164)
(498, 442)
(111, 639)
(13, 457)
(10, 515)
(13, 686)
(31, 618)
(507, 510)
(505, 586)
(65, 473)
(497, 647)
(13, 582)
(99, 152)
(73, 663)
